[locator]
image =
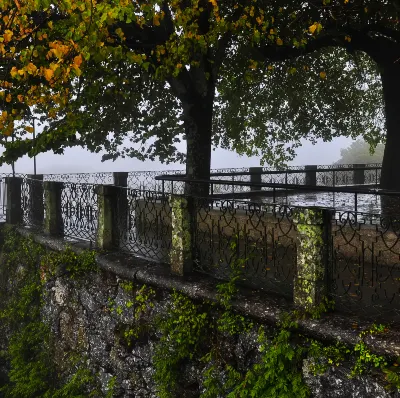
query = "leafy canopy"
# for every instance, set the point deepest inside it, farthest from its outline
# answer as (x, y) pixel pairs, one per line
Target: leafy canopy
(360, 152)
(118, 75)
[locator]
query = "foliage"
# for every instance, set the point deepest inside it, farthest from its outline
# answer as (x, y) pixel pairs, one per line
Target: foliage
(229, 321)
(135, 309)
(182, 331)
(366, 359)
(30, 346)
(361, 152)
(323, 357)
(279, 372)
(76, 265)
(133, 77)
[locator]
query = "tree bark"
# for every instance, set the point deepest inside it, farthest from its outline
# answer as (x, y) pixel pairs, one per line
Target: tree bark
(198, 129)
(390, 178)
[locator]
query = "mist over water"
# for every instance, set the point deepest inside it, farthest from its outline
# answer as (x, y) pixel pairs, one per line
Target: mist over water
(79, 160)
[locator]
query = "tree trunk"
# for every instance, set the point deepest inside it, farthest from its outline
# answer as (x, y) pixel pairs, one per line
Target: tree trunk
(198, 129)
(390, 178)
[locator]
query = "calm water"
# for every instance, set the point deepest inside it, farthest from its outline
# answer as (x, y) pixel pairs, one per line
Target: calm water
(372, 204)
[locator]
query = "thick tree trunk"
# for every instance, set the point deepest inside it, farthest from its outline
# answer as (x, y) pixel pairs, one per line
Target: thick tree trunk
(198, 129)
(390, 178)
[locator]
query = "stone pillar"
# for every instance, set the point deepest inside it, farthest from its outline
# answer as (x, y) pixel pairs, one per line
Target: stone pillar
(358, 174)
(313, 256)
(53, 222)
(36, 202)
(120, 178)
(311, 175)
(14, 212)
(182, 215)
(107, 227)
(255, 177)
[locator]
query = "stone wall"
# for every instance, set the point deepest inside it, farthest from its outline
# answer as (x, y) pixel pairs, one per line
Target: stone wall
(82, 319)
(108, 318)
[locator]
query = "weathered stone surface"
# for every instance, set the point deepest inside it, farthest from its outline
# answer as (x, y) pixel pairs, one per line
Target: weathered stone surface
(335, 383)
(84, 318)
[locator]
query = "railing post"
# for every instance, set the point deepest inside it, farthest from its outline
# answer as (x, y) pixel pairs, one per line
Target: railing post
(311, 174)
(313, 257)
(36, 203)
(182, 214)
(358, 174)
(255, 177)
(107, 237)
(120, 178)
(122, 207)
(53, 222)
(14, 213)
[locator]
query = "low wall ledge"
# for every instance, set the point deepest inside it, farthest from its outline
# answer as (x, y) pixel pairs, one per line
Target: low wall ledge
(330, 328)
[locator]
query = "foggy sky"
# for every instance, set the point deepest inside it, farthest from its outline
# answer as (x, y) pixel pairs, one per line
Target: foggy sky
(78, 160)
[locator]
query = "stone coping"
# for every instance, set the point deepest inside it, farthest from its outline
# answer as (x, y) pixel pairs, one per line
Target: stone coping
(331, 327)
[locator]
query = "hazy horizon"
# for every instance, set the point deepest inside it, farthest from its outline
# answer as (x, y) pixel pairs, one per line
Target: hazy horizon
(79, 160)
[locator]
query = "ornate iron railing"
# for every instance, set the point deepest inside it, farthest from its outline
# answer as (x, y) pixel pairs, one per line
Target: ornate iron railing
(258, 241)
(82, 178)
(32, 201)
(327, 175)
(144, 224)
(365, 272)
(79, 211)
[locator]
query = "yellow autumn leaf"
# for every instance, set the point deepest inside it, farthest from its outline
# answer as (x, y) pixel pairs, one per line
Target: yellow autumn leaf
(29, 129)
(14, 71)
(20, 97)
(8, 98)
(31, 68)
(279, 41)
(322, 75)
(8, 34)
(78, 61)
(312, 28)
(48, 74)
(156, 20)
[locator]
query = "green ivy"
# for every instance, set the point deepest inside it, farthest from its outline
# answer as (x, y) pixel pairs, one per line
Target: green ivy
(182, 330)
(25, 266)
(140, 303)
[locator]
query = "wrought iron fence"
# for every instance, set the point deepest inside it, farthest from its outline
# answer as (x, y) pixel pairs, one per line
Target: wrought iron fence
(32, 201)
(326, 175)
(144, 224)
(258, 241)
(365, 272)
(82, 178)
(3, 197)
(79, 210)
(145, 180)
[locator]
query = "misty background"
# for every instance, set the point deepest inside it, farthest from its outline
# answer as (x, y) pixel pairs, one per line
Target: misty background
(79, 160)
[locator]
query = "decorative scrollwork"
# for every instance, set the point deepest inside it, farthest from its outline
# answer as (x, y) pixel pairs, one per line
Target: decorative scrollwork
(365, 273)
(79, 211)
